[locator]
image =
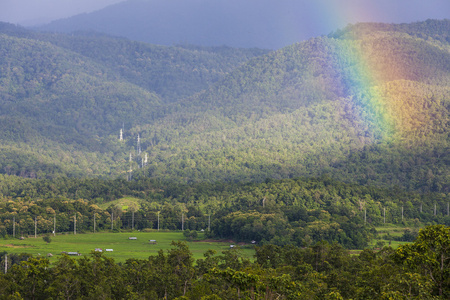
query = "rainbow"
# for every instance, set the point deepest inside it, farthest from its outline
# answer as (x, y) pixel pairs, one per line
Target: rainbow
(361, 79)
(373, 75)
(376, 78)
(376, 73)
(373, 70)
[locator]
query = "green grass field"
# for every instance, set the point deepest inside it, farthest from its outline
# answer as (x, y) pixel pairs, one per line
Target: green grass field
(123, 203)
(394, 231)
(123, 248)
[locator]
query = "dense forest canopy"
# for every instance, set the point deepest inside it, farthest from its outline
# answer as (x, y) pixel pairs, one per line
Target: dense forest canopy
(300, 211)
(367, 104)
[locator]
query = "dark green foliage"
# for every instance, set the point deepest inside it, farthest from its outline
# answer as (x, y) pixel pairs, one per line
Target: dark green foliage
(190, 235)
(47, 238)
(429, 255)
(322, 271)
(408, 236)
(299, 211)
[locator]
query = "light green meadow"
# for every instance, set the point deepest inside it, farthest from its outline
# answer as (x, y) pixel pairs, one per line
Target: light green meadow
(123, 248)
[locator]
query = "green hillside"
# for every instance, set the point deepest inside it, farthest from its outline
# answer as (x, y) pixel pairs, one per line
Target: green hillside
(64, 98)
(372, 108)
(171, 72)
(57, 107)
(368, 104)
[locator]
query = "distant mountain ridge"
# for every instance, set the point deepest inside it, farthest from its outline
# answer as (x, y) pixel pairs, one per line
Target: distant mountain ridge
(367, 104)
(251, 23)
(233, 23)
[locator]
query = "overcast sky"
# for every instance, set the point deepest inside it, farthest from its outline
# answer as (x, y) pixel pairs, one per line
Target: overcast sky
(34, 12)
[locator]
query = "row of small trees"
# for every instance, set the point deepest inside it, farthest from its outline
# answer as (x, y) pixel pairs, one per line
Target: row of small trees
(78, 223)
(103, 220)
(420, 270)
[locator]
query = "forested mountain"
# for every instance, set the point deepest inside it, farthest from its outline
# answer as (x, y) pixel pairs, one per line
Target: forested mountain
(63, 96)
(171, 72)
(366, 104)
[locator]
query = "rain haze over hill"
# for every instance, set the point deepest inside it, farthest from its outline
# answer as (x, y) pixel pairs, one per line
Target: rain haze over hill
(253, 23)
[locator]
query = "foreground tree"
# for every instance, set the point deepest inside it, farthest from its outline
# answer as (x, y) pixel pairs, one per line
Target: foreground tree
(430, 255)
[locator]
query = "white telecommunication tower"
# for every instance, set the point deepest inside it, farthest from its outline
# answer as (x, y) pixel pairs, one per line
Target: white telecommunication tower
(131, 170)
(138, 144)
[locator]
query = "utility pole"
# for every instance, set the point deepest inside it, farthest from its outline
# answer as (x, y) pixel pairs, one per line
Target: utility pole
(112, 221)
(384, 215)
(94, 222)
(435, 209)
(75, 224)
(209, 223)
(6, 263)
(402, 213)
(138, 148)
(132, 220)
(35, 227)
(131, 170)
(182, 221)
(121, 135)
(54, 225)
(158, 220)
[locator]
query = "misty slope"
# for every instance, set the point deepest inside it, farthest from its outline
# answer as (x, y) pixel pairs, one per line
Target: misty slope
(369, 108)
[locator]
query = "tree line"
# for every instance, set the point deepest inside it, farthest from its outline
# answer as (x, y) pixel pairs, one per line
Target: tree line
(327, 271)
(299, 211)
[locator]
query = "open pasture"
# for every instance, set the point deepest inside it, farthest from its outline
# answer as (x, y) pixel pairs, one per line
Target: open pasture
(123, 247)
(388, 232)
(123, 203)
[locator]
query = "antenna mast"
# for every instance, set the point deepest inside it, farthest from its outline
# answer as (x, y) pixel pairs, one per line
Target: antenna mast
(145, 159)
(131, 170)
(138, 145)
